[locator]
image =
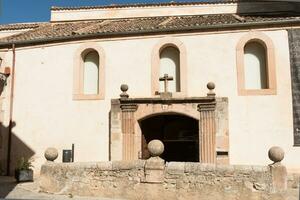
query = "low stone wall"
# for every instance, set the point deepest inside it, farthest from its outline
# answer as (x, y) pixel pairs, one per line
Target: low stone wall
(153, 179)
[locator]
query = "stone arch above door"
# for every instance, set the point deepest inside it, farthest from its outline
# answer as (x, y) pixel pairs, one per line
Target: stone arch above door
(178, 132)
(148, 111)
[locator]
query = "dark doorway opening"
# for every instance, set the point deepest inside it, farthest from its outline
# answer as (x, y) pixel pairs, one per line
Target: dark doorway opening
(179, 133)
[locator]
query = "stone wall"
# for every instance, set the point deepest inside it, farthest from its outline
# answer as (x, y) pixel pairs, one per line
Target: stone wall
(173, 180)
(294, 45)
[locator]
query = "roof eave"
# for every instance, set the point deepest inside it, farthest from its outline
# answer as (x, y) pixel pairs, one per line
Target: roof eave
(151, 32)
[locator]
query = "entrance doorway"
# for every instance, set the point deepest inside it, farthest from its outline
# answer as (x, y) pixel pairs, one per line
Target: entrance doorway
(179, 133)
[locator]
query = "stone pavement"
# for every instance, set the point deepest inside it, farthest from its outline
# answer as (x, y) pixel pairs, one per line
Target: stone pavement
(9, 189)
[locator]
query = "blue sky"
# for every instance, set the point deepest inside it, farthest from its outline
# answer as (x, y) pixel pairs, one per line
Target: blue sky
(14, 11)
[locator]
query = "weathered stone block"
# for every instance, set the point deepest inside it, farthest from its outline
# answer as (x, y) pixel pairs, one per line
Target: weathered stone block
(279, 177)
(104, 166)
(175, 167)
(127, 165)
(198, 168)
(154, 170)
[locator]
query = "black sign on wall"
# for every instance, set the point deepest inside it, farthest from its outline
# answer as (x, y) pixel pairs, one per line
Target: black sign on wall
(294, 44)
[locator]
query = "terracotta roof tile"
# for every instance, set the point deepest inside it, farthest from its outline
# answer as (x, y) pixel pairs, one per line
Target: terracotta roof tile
(100, 28)
(19, 26)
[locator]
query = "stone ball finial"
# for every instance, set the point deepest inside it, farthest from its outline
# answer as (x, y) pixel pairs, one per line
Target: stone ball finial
(124, 88)
(51, 154)
(276, 154)
(211, 86)
(156, 147)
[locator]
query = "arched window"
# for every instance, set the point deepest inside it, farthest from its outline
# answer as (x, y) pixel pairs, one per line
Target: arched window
(169, 56)
(256, 65)
(255, 68)
(170, 64)
(89, 83)
(91, 73)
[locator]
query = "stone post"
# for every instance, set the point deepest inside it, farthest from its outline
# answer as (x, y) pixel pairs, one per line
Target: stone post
(155, 166)
(278, 171)
(127, 125)
(207, 140)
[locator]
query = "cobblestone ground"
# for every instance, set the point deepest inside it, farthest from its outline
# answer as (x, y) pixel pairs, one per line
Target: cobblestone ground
(9, 189)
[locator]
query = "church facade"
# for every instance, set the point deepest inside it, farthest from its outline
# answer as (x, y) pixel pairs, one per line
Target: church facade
(216, 82)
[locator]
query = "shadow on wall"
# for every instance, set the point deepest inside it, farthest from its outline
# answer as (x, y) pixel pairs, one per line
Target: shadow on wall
(7, 184)
(271, 7)
(13, 149)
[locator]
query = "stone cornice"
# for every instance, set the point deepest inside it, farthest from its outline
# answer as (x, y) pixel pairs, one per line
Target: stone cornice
(207, 106)
(157, 100)
(129, 107)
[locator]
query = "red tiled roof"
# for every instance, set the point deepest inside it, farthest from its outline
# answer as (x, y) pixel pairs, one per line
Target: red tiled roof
(19, 26)
(47, 32)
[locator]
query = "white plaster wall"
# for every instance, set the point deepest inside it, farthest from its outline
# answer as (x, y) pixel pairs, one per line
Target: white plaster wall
(46, 115)
(255, 122)
(104, 13)
(170, 64)
(174, 10)
(255, 66)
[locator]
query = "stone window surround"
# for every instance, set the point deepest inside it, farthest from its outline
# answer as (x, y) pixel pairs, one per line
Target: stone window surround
(270, 62)
(155, 63)
(78, 72)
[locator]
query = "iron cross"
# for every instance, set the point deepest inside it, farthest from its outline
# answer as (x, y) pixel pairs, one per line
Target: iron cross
(165, 79)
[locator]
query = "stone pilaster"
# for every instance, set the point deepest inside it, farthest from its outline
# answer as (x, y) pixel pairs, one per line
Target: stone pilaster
(207, 136)
(115, 137)
(128, 121)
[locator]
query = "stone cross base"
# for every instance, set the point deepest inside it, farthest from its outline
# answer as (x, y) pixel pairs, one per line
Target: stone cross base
(165, 95)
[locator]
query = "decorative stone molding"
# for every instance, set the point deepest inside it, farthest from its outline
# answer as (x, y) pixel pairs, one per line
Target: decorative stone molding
(276, 154)
(128, 131)
(128, 121)
(124, 89)
(78, 72)
(51, 154)
(210, 106)
(126, 115)
(128, 107)
(169, 42)
(270, 62)
(207, 135)
(156, 148)
(211, 86)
